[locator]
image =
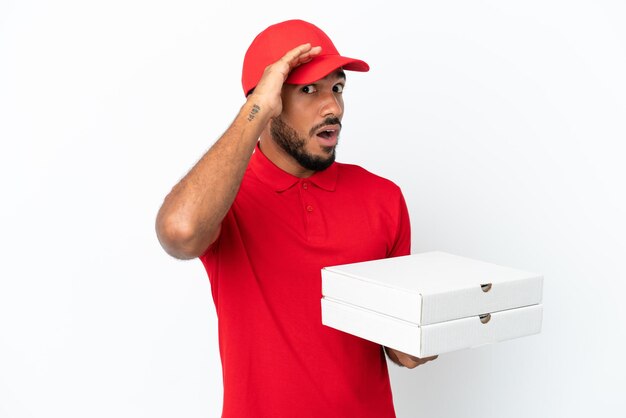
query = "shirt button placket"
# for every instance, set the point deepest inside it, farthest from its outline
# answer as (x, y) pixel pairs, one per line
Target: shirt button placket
(308, 207)
(315, 229)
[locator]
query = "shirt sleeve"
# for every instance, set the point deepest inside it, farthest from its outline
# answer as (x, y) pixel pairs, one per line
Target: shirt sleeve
(402, 242)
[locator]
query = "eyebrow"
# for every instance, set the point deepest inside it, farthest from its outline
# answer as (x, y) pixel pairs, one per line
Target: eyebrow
(340, 73)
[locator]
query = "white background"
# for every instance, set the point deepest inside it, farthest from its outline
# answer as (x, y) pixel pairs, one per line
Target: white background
(502, 121)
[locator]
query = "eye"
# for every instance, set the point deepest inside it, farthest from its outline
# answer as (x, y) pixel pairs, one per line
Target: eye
(309, 89)
(338, 88)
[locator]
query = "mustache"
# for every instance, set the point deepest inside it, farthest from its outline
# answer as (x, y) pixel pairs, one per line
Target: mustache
(331, 120)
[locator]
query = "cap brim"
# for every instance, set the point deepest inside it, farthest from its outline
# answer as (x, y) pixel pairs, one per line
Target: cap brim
(319, 67)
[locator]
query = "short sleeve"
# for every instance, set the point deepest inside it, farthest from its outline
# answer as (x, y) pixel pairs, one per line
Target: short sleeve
(402, 241)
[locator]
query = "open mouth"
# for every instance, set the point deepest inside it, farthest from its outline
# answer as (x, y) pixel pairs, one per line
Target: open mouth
(328, 135)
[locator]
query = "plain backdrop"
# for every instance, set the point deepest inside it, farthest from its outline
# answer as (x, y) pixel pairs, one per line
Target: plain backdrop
(502, 121)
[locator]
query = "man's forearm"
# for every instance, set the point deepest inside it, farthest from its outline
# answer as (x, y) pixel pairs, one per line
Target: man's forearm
(190, 217)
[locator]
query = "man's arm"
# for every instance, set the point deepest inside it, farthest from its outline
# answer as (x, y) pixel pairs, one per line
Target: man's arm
(406, 360)
(189, 219)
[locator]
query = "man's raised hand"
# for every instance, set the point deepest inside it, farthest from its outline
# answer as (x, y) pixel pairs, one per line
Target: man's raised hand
(267, 92)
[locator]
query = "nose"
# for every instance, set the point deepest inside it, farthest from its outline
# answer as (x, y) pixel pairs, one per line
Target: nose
(331, 105)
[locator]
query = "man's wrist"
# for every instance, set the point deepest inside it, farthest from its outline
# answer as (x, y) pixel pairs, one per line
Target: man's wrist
(257, 109)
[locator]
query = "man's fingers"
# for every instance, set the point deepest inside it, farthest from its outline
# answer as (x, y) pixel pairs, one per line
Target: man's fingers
(308, 56)
(301, 55)
(423, 360)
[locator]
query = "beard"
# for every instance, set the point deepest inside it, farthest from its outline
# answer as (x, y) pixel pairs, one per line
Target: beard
(294, 145)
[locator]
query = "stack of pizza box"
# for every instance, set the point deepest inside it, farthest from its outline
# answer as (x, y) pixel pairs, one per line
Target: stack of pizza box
(431, 303)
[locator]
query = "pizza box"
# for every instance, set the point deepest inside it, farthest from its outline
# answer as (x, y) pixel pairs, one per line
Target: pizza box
(431, 303)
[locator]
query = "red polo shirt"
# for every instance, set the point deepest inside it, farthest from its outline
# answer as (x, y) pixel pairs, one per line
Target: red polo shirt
(278, 360)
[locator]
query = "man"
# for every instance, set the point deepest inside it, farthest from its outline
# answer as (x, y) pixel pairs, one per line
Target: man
(265, 215)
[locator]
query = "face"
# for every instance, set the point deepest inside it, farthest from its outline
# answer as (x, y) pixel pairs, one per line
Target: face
(309, 125)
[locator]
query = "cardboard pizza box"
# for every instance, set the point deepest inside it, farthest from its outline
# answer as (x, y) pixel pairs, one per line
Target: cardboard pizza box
(431, 303)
